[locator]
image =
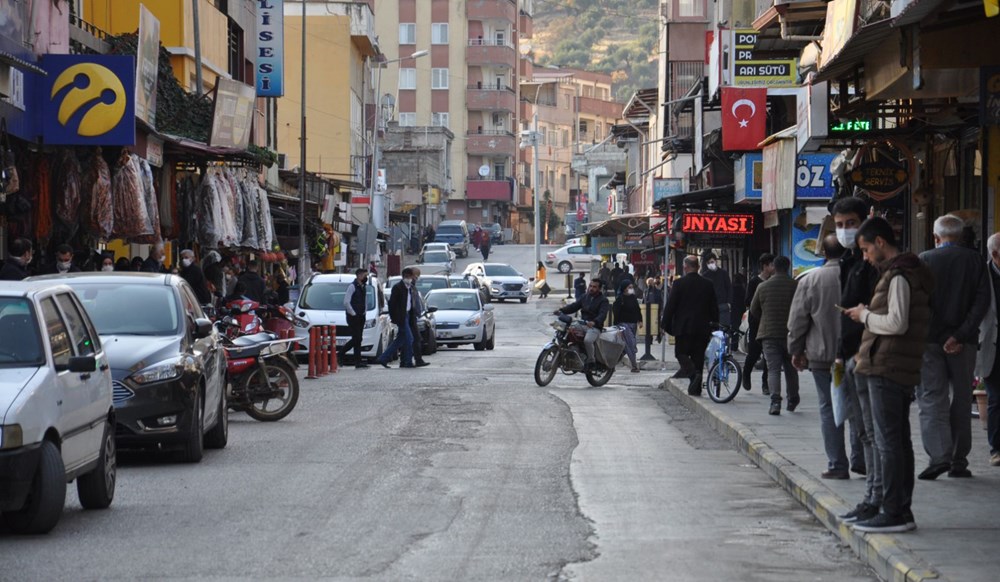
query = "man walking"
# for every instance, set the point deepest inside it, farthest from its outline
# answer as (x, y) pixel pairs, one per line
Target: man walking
(892, 348)
(721, 282)
(192, 273)
(255, 285)
(154, 262)
(400, 306)
(771, 305)
(813, 329)
(755, 349)
(579, 287)
(958, 306)
(691, 309)
(355, 299)
(987, 362)
(593, 308)
(418, 308)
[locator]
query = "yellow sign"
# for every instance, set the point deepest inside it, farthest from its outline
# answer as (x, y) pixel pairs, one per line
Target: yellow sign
(992, 7)
(92, 82)
(433, 196)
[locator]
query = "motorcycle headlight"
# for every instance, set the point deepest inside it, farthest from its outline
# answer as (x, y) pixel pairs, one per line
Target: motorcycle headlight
(473, 321)
(161, 372)
(370, 323)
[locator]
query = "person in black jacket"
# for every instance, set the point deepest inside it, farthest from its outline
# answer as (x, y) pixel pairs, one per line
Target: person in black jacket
(755, 350)
(154, 262)
(64, 261)
(192, 273)
(719, 277)
(355, 305)
(579, 287)
(255, 285)
(417, 304)
(628, 314)
(691, 309)
(400, 306)
(593, 308)
(15, 268)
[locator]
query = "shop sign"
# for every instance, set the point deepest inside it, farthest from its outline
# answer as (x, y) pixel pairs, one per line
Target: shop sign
(270, 48)
(989, 96)
(88, 100)
(813, 180)
(234, 106)
(148, 58)
(154, 151)
(749, 71)
(813, 116)
(882, 179)
(604, 245)
(717, 223)
(851, 126)
(667, 188)
(805, 242)
(632, 240)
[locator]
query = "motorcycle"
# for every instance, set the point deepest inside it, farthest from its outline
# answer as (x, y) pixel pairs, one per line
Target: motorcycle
(566, 353)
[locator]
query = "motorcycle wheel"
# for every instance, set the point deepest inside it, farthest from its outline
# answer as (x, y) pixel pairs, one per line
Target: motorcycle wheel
(548, 358)
(265, 410)
(600, 378)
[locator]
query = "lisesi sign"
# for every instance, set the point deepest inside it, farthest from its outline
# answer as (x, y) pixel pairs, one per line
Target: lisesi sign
(270, 48)
(716, 223)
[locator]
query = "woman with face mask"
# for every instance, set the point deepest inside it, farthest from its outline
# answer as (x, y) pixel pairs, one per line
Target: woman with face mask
(628, 314)
(107, 263)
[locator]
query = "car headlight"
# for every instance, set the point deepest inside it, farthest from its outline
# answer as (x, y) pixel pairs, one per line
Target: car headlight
(473, 321)
(161, 372)
(495, 289)
(11, 436)
(370, 323)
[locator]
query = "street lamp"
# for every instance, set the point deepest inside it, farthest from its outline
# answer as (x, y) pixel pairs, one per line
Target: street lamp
(531, 139)
(375, 160)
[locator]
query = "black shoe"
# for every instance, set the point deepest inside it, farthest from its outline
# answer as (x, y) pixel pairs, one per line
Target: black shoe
(793, 404)
(746, 379)
(859, 470)
(407, 366)
(694, 387)
(934, 471)
(775, 408)
(385, 364)
(422, 363)
(882, 523)
(832, 474)
(960, 474)
(911, 524)
(863, 512)
(765, 390)
(361, 366)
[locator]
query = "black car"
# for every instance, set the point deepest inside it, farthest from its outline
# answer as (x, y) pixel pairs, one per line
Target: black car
(167, 363)
(496, 232)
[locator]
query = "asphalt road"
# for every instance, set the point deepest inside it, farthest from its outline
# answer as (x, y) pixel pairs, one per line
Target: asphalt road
(464, 470)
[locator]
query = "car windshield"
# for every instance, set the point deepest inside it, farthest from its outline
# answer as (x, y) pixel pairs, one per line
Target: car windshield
(454, 301)
(501, 271)
(450, 230)
(425, 284)
(330, 296)
(436, 257)
(391, 281)
(130, 309)
(20, 345)
(461, 284)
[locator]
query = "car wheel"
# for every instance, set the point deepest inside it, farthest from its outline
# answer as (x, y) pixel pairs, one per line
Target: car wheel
(524, 300)
(194, 448)
(96, 489)
(430, 346)
(481, 345)
(44, 504)
(218, 437)
(492, 341)
(565, 267)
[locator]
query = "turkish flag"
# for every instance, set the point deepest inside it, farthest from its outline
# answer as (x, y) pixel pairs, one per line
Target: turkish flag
(744, 118)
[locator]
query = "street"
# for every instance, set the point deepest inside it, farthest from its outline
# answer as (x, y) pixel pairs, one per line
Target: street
(464, 470)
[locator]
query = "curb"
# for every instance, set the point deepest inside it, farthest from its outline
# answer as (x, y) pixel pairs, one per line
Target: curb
(885, 553)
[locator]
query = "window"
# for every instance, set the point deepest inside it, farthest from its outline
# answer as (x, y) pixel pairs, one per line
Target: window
(439, 78)
(80, 333)
(583, 126)
(562, 181)
(551, 183)
(500, 171)
(577, 250)
(407, 78)
(690, 8)
(565, 138)
(439, 33)
(501, 37)
(58, 336)
(407, 119)
(439, 119)
(407, 33)
(498, 120)
(234, 35)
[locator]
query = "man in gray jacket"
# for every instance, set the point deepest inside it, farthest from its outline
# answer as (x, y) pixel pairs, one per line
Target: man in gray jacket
(771, 305)
(813, 329)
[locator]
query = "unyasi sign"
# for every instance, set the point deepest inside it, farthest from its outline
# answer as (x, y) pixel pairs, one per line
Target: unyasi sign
(270, 48)
(717, 223)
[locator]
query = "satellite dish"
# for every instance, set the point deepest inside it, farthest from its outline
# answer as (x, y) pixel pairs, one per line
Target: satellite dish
(484, 170)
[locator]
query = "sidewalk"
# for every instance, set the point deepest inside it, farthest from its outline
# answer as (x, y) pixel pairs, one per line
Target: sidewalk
(958, 519)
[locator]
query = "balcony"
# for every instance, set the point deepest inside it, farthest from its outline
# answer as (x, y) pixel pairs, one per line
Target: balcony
(490, 99)
(505, 10)
(479, 189)
(483, 52)
(490, 143)
(362, 23)
(526, 24)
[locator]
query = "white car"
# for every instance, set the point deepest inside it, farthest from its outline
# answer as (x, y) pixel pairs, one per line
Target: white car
(503, 281)
(322, 303)
(437, 246)
(436, 261)
(57, 417)
(571, 258)
(463, 318)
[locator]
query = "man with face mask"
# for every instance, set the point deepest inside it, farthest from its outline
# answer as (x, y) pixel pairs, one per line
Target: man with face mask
(355, 298)
(64, 261)
(400, 306)
(721, 281)
(192, 273)
(15, 268)
(593, 310)
(154, 263)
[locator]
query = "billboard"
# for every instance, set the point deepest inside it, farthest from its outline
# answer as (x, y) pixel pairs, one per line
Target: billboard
(147, 66)
(88, 100)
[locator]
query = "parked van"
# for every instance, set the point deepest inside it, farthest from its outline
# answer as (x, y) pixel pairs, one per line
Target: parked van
(456, 234)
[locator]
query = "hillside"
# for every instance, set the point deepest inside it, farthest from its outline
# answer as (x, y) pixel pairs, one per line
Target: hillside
(618, 37)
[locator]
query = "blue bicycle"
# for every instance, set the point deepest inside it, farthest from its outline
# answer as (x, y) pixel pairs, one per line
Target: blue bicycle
(725, 375)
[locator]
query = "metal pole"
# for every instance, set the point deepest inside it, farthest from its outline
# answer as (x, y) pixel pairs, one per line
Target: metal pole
(197, 47)
(374, 168)
(538, 192)
(303, 254)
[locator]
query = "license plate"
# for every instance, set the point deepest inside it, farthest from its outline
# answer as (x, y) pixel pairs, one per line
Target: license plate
(444, 333)
(341, 341)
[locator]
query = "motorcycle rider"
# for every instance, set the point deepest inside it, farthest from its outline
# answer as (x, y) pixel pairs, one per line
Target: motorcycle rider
(593, 308)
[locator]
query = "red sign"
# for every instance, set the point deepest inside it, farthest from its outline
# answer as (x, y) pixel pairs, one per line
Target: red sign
(744, 118)
(717, 223)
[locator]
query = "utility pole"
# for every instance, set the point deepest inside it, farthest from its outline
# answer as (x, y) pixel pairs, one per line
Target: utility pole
(303, 269)
(538, 194)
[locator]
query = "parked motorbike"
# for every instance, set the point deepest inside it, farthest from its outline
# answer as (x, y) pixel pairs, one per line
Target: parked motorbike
(566, 353)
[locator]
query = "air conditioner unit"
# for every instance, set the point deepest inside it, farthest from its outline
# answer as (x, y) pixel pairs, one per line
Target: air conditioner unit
(475, 203)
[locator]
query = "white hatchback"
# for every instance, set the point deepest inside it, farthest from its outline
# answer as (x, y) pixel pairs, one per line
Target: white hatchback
(322, 303)
(57, 419)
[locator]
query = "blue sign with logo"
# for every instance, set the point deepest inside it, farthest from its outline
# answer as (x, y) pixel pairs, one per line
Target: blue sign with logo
(270, 48)
(667, 188)
(813, 180)
(88, 100)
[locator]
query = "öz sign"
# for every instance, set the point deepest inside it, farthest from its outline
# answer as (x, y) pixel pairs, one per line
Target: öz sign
(717, 223)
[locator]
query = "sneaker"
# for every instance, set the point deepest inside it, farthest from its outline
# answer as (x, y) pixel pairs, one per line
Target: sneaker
(746, 380)
(911, 524)
(995, 460)
(882, 523)
(859, 469)
(422, 363)
(933, 472)
(862, 512)
(775, 409)
(960, 474)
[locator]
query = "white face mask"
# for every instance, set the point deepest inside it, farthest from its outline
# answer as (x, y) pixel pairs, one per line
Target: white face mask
(186, 262)
(846, 236)
(64, 265)
(630, 291)
(108, 268)
(407, 282)
(712, 266)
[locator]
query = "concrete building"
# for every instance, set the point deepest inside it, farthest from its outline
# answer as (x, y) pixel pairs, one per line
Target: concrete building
(417, 162)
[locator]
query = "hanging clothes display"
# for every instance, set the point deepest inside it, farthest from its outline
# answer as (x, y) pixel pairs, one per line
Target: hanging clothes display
(149, 200)
(131, 220)
(67, 190)
(228, 209)
(96, 186)
(43, 199)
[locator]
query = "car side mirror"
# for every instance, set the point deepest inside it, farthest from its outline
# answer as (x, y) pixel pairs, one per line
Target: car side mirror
(432, 309)
(488, 307)
(202, 328)
(82, 364)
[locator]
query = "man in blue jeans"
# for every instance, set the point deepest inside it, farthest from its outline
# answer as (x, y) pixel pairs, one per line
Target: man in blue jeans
(897, 323)
(400, 306)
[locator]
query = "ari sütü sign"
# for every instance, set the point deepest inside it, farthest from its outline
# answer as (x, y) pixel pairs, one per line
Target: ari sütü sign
(717, 223)
(749, 70)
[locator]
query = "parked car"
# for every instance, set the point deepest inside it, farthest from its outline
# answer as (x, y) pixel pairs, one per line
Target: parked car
(456, 234)
(436, 246)
(434, 261)
(167, 361)
(470, 282)
(322, 303)
(503, 281)
(570, 258)
(496, 232)
(427, 283)
(57, 419)
(463, 318)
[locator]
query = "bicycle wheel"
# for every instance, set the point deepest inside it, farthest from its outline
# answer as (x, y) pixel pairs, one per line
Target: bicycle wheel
(724, 380)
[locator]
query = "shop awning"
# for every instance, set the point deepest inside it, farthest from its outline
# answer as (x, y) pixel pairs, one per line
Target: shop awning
(636, 222)
(696, 197)
(857, 47)
(19, 63)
